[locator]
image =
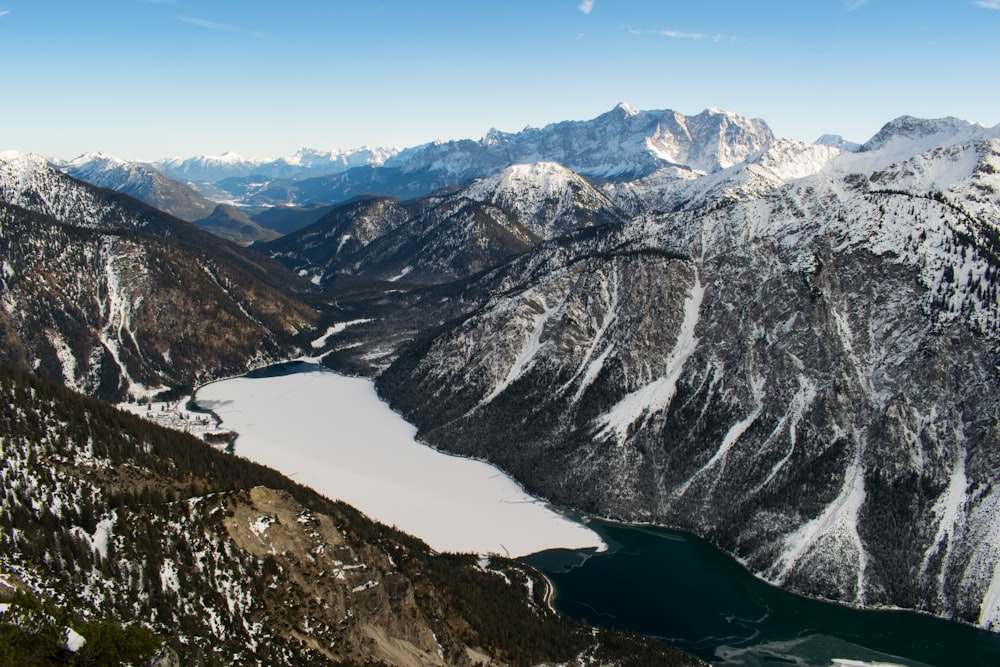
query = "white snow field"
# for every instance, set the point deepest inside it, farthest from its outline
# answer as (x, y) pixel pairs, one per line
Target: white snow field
(334, 434)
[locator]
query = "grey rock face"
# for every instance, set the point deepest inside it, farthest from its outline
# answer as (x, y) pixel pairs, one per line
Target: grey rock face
(449, 235)
(142, 182)
(808, 378)
(117, 299)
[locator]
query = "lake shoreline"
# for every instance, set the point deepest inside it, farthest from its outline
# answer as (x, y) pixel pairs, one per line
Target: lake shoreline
(302, 426)
(554, 597)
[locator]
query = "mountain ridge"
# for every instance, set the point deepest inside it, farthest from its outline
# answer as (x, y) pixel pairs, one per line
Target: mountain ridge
(760, 371)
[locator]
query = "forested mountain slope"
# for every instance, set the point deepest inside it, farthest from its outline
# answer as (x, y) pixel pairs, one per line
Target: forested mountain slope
(108, 516)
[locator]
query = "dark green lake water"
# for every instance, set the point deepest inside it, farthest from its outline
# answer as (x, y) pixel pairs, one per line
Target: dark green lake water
(679, 588)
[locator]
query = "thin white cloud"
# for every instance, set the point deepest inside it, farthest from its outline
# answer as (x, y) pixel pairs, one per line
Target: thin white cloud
(988, 4)
(674, 34)
(585, 6)
(855, 4)
(221, 27)
(202, 23)
(4, 12)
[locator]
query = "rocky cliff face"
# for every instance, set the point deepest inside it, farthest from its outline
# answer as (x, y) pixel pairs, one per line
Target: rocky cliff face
(449, 235)
(122, 314)
(143, 182)
(808, 376)
(119, 300)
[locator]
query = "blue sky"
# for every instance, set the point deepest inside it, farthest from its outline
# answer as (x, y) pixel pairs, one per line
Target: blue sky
(146, 79)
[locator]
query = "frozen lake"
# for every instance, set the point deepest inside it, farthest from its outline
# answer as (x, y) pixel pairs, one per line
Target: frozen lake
(334, 434)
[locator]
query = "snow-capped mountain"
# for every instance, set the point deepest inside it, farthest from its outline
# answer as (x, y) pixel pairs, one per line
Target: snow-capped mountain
(674, 188)
(622, 144)
(33, 183)
(921, 134)
(211, 168)
(806, 375)
(117, 299)
(546, 198)
(837, 141)
(306, 162)
(141, 181)
(790, 349)
(446, 236)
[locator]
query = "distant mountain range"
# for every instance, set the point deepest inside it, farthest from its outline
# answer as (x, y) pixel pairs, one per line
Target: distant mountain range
(622, 144)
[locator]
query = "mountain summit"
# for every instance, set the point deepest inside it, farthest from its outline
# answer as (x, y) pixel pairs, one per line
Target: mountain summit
(621, 144)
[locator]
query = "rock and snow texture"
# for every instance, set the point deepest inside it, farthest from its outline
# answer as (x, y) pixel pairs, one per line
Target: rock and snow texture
(88, 301)
(622, 144)
(449, 235)
(144, 182)
(545, 197)
(806, 373)
(303, 163)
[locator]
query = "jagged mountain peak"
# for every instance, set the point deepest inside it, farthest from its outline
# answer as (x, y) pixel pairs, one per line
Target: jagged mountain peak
(837, 141)
(676, 188)
(621, 144)
(621, 111)
(29, 161)
(90, 165)
(545, 197)
(627, 108)
(909, 128)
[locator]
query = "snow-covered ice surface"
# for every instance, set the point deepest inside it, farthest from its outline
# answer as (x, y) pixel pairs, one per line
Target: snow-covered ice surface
(334, 434)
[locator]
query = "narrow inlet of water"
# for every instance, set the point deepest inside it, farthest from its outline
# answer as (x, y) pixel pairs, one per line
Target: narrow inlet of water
(681, 589)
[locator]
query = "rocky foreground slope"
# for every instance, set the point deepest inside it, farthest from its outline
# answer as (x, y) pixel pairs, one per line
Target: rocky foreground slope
(113, 520)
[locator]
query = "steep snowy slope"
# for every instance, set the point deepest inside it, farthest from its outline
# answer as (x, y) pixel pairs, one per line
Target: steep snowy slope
(673, 188)
(806, 374)
(142, 182)
(116, 299)
(449, 235)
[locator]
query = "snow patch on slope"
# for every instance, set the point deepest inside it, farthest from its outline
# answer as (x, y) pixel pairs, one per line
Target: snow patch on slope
(656, 395)
(834, 530)
(531, 346)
